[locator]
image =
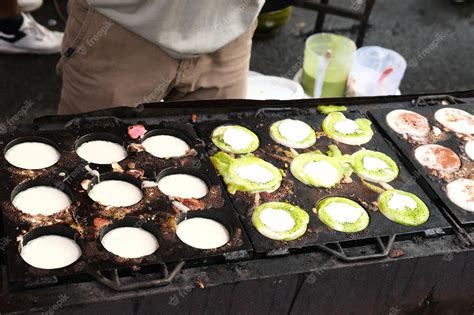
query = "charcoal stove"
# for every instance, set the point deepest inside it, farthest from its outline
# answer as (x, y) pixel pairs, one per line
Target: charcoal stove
(245, 257)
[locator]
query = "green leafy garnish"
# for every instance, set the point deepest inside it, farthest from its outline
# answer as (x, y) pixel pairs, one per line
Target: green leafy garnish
(307, 139)
(222, 134)
(342, 214)
(316, 169)
(347, 131)
(271, 209)
(326, 109)
(374, 166)
(403, 207)
(247, 173)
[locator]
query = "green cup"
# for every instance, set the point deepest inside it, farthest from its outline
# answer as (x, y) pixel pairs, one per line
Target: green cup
(328, 56)
(271, 22)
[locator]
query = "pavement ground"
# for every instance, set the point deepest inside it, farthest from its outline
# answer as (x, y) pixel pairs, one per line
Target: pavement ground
(435, 36)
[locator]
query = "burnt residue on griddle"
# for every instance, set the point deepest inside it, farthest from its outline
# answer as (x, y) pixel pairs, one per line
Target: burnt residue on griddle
(27, 222)
(466, 171)
(306, 197)
(89, 218)
(145, 160)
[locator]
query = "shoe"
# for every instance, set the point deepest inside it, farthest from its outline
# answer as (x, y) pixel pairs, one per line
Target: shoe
(32, 38)
(29, 5)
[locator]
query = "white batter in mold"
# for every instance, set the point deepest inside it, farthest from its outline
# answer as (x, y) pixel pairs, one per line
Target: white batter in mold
(406, 122)
(294, 130)
(236, 138)
(165, 146)
(43, 200)
(456, 120)
(254, 173)
(116, 193)
(346, 126)
(130, 242)
(343, 213)
(32, 155)
(202, 233)
(469, 148)
(101, 152)
(277, 220)
(324, 171)
(183, 186)
(374, 164)
(461, 193)
(437, 157)
(51, 252)
(399, 202)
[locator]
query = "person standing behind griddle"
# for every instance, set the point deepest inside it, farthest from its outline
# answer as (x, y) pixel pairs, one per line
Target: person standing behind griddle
(126, 52)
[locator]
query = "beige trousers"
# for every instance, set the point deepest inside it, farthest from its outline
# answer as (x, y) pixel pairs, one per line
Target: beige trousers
(104, 65)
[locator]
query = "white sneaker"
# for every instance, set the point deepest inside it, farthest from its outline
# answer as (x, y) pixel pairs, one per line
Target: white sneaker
(31, 38)
(29, 5)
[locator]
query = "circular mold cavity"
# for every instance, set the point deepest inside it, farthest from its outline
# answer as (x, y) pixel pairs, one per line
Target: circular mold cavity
(342, 214)
(456, 120)
(293, 133)
(235, 139)
(166, 143)
(403, 207)
(406, 122)
(32, 153)
(437, 157)
(183, 183)
(42, 196)
(461, 193)
(115, 190)
(51, 247)
(101, 148)
(469, 148)
(202, 233)
(130, 238)
(280, 221)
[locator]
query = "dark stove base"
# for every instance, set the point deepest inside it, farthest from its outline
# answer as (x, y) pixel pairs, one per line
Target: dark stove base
(435, 277)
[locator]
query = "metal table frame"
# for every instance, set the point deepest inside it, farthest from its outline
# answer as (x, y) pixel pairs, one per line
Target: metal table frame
(323, 7)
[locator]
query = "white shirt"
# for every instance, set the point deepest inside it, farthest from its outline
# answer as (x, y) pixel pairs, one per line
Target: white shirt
(183, 28)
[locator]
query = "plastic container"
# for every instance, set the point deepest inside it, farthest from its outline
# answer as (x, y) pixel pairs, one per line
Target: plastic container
(375, 71)
(265, 87)
(327, 56)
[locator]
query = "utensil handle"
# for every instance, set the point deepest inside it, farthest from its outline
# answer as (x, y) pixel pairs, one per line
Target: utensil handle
(339, 253)
(116, 284)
